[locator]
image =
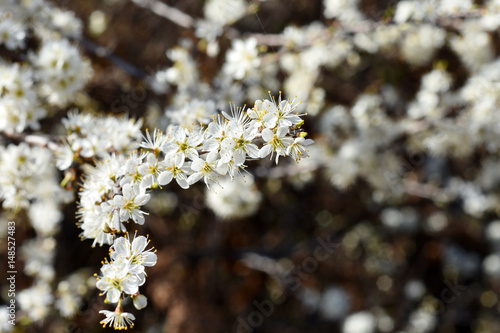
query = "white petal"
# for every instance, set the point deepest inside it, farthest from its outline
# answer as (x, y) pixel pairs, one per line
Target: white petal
(226, 155)
(142, 199)
(228, 143)
(222, 167)
(212, 156)
(267, 134)
(195, 177)
(266, 150)
(270, 120)
(210, 145)
(285, 123)
(165, 177)
(140, 302)
(124, 215)
(253, 150)
(131, 285)
(183, 183)
(128, 192)
(139, 244)
(179, 160)
(121, 247)
(239, 156)
(197, 164)
(308, 142)
(118, 201)
(282, 131)
(149, 258)
(179, 134)
(113, 295)
(143, 169)
(151, 159)
(191, 154)
(138, 217)
(147, 181)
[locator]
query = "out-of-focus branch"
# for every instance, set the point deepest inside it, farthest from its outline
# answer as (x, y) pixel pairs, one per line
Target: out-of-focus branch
(455, 21)
(290, 170)
(270, 39)
(263, 264)
(106, 53)
(427, 191)
(184, 20)
(170, 13)
(31, 139)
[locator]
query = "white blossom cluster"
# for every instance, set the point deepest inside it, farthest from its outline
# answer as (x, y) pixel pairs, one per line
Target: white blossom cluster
(29, 181)
(96, 136)
(47, 77)
(236, 198)
(115, 189)
(30, 184)
(122, 276)
(34, 84)
(440, 120)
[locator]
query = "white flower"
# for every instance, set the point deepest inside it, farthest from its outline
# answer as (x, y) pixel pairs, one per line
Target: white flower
(12, 34)
(154, 143)
(130, 202)
(5, 326)
(205, 169)
(183, 73)
(183, 144)
(65, 157)
(359, 322)
(242, 58)
(281, 113)
(150, 170)
(45, 217)
(61, 70)
(134, 253)
(344, 10)
(173, 169)
(276, 142)
(38, 255)
(215, 133)
(238, 145)
(223, 12)
(297, 149)
(237, 198)
(36, 300)
(421, 43)
(66, 22)
(192, 113)
(118, 319)
(117, 278)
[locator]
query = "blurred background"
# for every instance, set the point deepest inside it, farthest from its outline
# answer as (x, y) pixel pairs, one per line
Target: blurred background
(390, 225)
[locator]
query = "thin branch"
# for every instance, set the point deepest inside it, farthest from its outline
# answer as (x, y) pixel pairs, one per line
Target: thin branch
(103, 52)
(170, 13)
(427, 191)
(31, 139)
(263, 264)
(270, 39)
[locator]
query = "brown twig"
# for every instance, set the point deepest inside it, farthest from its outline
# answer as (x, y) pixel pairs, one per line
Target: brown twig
(165, 11)
(32, 139)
